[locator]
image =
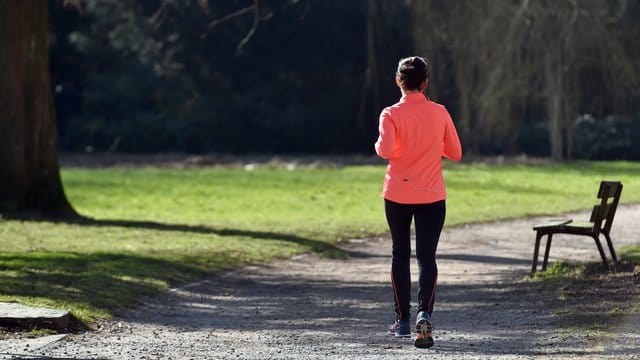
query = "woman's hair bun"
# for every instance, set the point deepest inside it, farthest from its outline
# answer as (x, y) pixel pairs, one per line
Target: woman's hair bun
(412, 72)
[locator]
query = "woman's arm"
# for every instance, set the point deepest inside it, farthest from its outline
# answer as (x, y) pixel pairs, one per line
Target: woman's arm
(451, 149)
(386, 143)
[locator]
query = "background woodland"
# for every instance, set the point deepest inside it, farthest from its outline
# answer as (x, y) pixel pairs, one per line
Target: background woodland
(545, 78)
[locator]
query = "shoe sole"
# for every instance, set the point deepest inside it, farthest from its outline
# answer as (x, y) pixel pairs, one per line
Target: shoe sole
(424, 327)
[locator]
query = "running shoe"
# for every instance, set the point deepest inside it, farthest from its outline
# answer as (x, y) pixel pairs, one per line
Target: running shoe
(424, 327)
(400, 328)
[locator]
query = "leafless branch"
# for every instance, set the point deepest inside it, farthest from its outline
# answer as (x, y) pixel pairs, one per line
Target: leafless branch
(257, 18)
(158, 17)
(230, 16)
(254, 27)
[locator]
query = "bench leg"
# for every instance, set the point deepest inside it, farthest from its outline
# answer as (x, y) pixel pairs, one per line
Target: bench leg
(535, 252)
(546, 252)
(611, 250)
(601, 251)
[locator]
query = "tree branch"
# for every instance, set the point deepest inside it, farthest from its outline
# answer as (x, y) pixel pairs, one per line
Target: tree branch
(254, 27)
(230, 16)
(255, 8)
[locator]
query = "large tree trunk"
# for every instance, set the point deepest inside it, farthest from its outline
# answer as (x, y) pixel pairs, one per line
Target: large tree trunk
(29, 169)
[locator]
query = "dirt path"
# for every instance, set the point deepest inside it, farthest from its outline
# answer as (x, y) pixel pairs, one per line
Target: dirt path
(312, 308)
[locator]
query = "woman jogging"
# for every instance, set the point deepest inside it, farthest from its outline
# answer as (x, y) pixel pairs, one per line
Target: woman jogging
(415, 133)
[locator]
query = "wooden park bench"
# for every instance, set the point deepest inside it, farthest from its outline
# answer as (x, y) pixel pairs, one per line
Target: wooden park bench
(599, 223)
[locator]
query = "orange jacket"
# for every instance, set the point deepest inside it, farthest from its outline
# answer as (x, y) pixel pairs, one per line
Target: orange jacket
(415, 133)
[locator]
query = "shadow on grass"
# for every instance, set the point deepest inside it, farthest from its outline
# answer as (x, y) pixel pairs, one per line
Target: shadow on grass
(317, 246)
(314, 245)
(93, 285)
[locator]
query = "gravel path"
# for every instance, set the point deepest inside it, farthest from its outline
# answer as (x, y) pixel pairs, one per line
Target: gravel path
(312, 308)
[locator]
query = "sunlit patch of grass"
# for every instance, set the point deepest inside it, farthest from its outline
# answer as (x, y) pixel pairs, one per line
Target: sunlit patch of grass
(631, 254)
(35, 333)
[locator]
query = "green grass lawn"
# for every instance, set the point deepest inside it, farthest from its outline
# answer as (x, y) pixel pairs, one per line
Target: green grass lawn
(154, 227)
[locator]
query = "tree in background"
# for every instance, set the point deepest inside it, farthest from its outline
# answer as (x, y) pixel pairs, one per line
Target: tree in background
(165, 76)
(303, 76)
(506, 66)
(29, 170)
(387, 38)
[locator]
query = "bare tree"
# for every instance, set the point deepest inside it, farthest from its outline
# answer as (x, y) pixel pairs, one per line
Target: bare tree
(509, 57)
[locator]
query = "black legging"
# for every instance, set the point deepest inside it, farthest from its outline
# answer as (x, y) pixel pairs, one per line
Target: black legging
(429, 220)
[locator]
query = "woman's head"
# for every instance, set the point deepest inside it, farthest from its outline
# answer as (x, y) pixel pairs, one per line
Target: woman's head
(413, 73)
